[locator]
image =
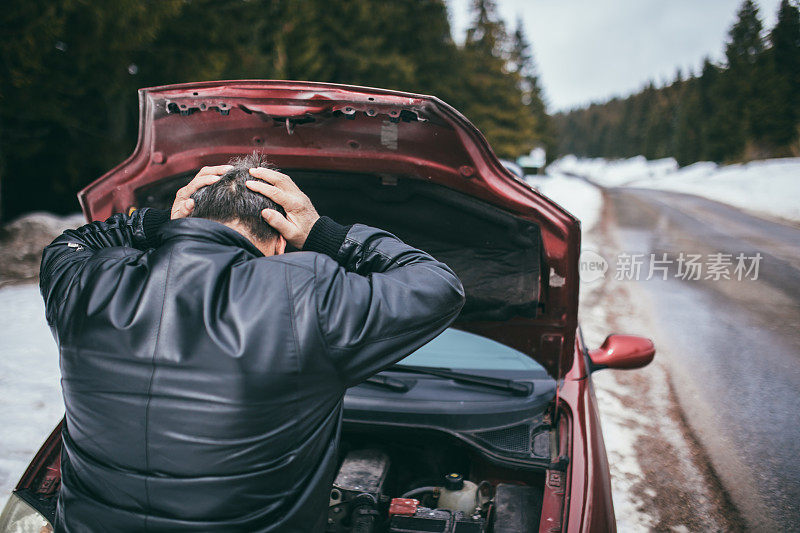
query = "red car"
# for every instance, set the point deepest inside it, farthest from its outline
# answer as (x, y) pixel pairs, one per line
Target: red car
(497, 414)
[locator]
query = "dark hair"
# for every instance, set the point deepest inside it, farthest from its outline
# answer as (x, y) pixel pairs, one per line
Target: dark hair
(229, 200)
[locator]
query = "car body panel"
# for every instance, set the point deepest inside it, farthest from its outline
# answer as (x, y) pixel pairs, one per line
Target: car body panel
(590, 504)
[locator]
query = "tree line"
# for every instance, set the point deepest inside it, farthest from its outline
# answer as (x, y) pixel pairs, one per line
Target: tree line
(69, 71)
(747, 108)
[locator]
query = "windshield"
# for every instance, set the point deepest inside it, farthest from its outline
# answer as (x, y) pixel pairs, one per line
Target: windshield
(466, 351)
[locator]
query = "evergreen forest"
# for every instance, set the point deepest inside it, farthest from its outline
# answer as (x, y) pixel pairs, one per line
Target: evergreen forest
(70, 69)
(746, 108)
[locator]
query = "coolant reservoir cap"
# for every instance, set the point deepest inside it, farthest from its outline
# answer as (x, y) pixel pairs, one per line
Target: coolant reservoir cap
(453, 481)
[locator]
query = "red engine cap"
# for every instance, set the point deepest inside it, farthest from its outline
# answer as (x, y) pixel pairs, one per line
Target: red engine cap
(403, 506)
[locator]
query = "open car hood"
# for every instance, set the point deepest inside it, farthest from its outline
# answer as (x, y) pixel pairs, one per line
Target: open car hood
(407, 163)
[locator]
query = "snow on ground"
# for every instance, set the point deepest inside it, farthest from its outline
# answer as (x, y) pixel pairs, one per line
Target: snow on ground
(582, 199)
(29, 381)
(614, 173)
(769, 188)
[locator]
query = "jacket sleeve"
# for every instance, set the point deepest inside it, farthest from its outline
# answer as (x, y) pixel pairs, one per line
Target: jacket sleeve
(65, 258)
(380, 300)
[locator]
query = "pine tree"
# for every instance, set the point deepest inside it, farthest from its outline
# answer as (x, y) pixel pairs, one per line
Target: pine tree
(740, 90)
(783, 64)
(745, 40)
(688, 139)
(522, 64)
(785, 39)
(713, 137)
(490, 94)
(487, 32)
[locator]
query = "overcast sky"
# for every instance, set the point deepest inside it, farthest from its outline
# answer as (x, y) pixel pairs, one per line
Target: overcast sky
(593, 50)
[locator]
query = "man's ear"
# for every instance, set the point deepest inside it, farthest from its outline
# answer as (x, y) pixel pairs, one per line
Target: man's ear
(280, 245)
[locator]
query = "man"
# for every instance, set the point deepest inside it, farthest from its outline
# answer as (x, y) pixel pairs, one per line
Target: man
(203, 369)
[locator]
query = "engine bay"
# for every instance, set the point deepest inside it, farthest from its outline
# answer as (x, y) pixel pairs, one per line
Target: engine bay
(410, 481)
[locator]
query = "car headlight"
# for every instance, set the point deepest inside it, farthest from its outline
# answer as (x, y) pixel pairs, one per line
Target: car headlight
(19, 517)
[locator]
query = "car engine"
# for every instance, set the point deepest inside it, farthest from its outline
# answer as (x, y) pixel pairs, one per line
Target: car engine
(409, 491)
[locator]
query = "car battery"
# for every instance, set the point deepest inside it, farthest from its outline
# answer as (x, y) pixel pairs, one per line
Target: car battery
(468, 524)
(409, 518)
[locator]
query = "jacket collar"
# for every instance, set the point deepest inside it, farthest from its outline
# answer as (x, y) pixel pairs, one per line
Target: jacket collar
(201, 229)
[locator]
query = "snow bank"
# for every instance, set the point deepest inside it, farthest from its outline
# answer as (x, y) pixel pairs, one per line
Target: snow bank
(613, 173)
(580, 198)
(769, 188)
(22, 241)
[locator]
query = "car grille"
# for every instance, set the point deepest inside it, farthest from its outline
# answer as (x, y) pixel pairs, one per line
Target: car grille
(512, 439)
(531, 440)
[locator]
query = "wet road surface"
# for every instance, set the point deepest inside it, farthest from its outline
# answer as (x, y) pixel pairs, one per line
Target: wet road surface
(732, 346)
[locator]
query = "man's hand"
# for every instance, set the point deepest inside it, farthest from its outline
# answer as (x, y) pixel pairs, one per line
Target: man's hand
(183, 204)
(300, 214)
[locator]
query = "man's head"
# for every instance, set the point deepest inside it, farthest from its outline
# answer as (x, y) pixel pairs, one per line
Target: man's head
(230, 202)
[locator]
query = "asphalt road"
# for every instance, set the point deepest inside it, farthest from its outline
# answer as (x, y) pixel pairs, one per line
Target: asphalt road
(732, 346)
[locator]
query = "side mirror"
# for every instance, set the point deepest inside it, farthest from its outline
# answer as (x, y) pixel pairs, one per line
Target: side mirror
(623, 351)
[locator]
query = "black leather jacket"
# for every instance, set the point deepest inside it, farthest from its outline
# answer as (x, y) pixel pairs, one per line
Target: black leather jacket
(203, 382)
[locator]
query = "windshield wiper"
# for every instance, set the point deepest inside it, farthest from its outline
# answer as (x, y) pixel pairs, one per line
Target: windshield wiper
(388, 383)
(507, 385)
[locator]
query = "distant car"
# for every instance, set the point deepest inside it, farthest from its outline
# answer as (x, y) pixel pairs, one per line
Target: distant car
(534, 162)
(493, 426)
